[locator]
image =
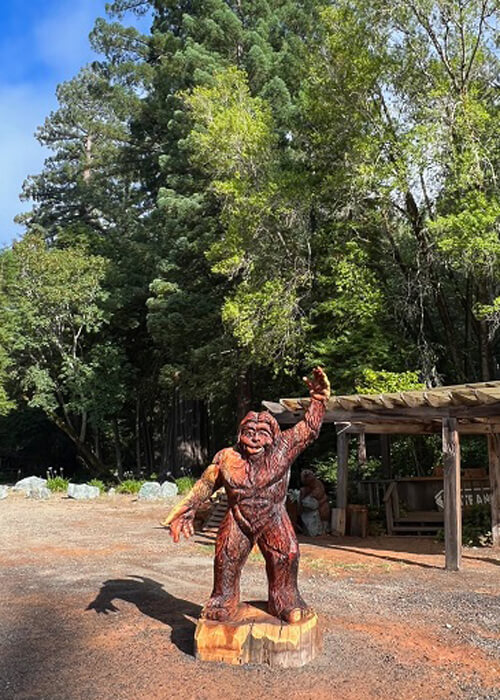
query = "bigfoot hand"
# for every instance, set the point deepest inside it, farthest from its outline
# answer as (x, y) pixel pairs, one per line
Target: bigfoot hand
(319, 386)
(183, 522)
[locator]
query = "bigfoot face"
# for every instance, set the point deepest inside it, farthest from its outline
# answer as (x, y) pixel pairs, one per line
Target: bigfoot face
(257, 433)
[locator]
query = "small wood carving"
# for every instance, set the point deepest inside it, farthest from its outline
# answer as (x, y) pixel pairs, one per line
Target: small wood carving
(255, 475)
(312, 486)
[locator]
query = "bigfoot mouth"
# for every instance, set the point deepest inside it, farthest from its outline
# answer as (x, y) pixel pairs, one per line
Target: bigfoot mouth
(254, 450)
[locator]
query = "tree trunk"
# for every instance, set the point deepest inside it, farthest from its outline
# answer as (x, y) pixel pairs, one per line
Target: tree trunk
(118, 450)
(485, 351)
(138, 466)
(93, 461)
(385, 453)
(97, 443)
(186, 436)
(244, 394)
(83, 429)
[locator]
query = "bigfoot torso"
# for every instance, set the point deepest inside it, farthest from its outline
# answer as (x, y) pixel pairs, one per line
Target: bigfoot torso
(254, 487)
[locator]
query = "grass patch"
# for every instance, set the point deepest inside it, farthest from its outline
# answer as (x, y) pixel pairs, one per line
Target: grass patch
(185, 484)
(57, 484)
(333, 567)
(100, 485)
(130, 486)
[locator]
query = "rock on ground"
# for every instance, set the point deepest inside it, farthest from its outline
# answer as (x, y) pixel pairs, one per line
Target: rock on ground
(41, 493)
(82, 492)
(168, 489)
(29, 483)
(150, 491)
(4, 490)
(33, 487)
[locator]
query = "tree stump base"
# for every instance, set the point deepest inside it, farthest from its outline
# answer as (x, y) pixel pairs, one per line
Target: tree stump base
(256, 637)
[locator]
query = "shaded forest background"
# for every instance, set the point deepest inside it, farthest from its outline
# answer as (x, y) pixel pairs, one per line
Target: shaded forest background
(248, 190)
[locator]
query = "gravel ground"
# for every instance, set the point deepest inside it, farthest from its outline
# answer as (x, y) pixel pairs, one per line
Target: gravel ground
(97, 603)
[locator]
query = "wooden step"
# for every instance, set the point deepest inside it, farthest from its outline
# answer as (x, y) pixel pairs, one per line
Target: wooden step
(413, 528)
(421, 516)
(208, 533)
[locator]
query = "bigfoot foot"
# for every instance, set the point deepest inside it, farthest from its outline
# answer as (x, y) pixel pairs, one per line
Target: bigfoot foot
(296, 614)
(300, 611)
(220, 608)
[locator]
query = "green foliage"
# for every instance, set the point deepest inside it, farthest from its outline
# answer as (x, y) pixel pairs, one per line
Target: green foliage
(185, 484)
(232, 130)
(473, 452)
(377, 521)
(326, 469)
(469, 234)
(415, 455)
(57, 483)
(52, 309)
(51, 302)
(349, 328)
(373, 382)
(404, 147)
(130, 486)
(234, 138)
(99, 483)
(476, 526)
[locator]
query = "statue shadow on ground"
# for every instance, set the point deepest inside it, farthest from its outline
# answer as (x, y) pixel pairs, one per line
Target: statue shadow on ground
(153, 600)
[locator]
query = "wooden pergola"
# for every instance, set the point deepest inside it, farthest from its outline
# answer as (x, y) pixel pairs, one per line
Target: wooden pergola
(450, 410)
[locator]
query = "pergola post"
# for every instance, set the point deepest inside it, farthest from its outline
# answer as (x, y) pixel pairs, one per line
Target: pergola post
(452, 495)
(494, 470)
(385, 453)
(362, 447)
(342, 460)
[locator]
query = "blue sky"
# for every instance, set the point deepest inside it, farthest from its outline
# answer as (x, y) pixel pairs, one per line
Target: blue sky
(42, 43)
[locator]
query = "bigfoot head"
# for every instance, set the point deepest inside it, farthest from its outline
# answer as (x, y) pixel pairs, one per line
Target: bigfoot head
(257, 433)
(307, 477)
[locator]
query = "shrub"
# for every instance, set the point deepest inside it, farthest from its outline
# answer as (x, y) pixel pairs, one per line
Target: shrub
(185, 483)
(129, 486)
(476, 526)
(100, 484)
(57, 483)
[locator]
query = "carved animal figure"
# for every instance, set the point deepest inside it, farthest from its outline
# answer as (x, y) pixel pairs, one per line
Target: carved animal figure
(312, 486)
(255, 475)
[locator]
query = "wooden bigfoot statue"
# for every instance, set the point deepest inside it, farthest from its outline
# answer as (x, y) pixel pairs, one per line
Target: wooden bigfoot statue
(255, 475)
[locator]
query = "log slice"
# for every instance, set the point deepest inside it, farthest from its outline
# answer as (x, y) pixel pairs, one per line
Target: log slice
(254, 636)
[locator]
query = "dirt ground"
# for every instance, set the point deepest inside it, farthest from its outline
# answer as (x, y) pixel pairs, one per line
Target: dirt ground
(97, 603)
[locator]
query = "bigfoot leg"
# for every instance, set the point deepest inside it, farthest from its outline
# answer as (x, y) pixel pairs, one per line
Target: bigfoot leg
(279, 546)
(231, 551)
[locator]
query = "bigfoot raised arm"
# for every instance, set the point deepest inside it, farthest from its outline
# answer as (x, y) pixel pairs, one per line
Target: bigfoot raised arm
(307, 430)
(255, 475)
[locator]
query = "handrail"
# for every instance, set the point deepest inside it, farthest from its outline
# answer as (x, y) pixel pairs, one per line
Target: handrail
(388, 493)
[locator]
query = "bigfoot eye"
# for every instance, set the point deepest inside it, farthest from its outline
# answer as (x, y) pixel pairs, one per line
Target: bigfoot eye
(264, 432)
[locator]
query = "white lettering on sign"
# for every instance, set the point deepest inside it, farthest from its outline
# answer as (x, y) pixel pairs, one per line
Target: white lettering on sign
(470, 497)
